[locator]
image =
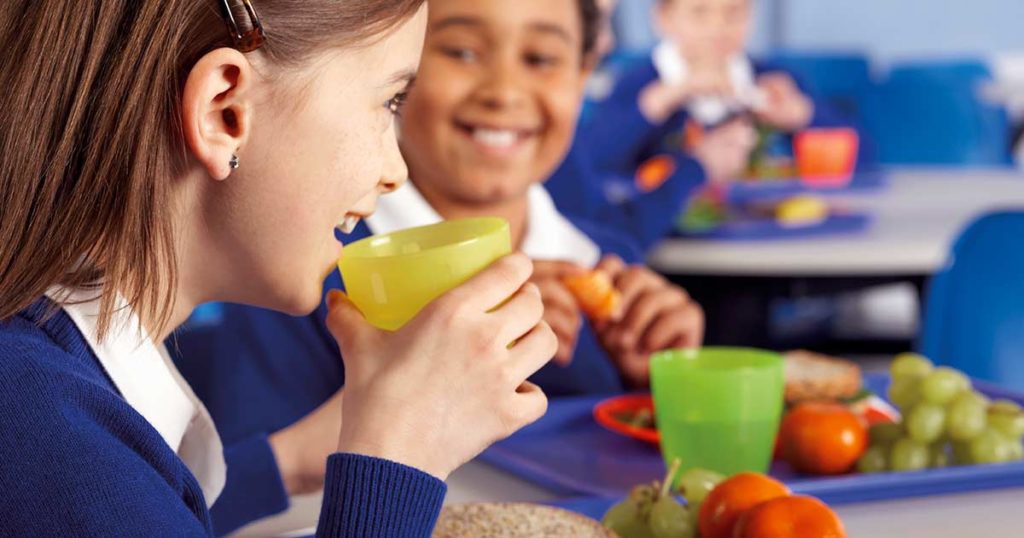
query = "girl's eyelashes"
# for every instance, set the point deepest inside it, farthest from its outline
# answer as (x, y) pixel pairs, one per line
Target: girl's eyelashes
(395, 103)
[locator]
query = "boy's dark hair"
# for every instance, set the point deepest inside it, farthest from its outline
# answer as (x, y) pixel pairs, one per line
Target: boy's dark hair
(590, 15)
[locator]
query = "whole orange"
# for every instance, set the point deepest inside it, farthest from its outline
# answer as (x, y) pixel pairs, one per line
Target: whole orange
(727, 502)
(791, 517)
(822, 438)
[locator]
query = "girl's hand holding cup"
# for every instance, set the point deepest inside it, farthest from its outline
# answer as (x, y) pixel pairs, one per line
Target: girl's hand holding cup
(445, 386)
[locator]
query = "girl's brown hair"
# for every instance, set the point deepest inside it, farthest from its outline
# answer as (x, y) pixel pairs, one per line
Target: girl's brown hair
(90, 131)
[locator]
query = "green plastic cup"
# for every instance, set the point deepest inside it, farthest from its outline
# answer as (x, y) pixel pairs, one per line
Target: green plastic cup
(391, 277)
(718, 408)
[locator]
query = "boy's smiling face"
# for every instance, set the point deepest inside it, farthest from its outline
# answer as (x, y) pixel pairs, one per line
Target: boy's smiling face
(707, 31)
(496, 100)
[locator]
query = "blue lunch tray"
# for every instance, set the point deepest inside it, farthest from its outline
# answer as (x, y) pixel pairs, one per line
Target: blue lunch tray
(569, 453)
(872, 179)
(744, 229)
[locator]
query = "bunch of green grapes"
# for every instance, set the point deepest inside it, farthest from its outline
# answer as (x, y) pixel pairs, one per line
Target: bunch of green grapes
(945, 422)
(652, 510)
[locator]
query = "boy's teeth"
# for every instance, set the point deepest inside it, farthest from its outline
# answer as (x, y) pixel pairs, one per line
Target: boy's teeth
(348, 225)
(499, 138)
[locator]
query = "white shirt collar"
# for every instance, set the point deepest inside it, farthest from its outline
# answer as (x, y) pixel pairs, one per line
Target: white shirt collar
(549, 235)
(673, 69)
(149, 382)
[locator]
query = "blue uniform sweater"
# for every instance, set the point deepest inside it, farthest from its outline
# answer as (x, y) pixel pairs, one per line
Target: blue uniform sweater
(79, 461)
(580, 187)
(616, 139)
(259, 371)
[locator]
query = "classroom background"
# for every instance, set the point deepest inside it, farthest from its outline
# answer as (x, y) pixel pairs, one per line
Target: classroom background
(940, 92)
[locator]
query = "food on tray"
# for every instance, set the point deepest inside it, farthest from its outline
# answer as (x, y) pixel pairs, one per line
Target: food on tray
(651, 511)
(595, 293)
(641, 418)
(822, 438)
(705, 211)
(722, 509)
(800, 211)
(747, 505)
(515, 520)
(798, 516)
(812, 376)
(945, 422)
(696, 484)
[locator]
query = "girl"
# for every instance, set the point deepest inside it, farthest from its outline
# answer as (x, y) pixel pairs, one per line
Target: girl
(156, 155)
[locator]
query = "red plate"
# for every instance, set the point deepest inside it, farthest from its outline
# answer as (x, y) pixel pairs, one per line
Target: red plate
(606, 414)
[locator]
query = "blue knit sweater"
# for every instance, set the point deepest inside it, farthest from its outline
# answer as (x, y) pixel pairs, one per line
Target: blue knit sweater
(79, 461)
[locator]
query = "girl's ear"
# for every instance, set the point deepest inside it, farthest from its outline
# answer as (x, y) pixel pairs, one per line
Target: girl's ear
(217, 109)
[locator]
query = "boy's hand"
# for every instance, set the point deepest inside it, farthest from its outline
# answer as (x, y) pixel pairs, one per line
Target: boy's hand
(725, 150)
(786, 107)
(561, 311)
(657, 315)
(659, 100)
(710, 78)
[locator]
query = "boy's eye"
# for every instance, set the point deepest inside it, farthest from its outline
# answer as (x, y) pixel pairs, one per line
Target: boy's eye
(541, 60)
(461, 54)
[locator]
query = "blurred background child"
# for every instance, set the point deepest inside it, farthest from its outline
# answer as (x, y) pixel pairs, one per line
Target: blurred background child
(691, 112)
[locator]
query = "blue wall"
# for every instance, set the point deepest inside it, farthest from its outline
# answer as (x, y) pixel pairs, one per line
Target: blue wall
(892, 30)
(889, 30)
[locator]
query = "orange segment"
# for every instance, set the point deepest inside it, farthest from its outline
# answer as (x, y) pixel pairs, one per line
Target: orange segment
(595, 293)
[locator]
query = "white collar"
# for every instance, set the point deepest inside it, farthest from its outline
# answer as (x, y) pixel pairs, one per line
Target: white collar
(149, 382)
(549, 235)
(673, 69)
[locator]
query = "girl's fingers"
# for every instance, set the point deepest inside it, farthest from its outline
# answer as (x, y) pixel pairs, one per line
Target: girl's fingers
(490, 287)
(519, 314)
(528, 404)
(531, 353)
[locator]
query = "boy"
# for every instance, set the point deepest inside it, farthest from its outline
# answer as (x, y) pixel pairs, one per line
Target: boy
(697, 79)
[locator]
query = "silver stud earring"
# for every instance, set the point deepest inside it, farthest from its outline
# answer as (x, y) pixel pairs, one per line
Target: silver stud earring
(233, 163)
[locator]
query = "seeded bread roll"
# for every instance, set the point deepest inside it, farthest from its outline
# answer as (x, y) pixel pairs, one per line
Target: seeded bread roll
(812, 376)
(515, 520)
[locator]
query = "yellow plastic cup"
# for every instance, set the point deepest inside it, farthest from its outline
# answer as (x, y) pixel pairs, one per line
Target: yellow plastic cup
(391, 277)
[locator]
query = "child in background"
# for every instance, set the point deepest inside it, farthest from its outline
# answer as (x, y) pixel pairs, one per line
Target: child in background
(492, 114)
(697, 80)
(639, 197)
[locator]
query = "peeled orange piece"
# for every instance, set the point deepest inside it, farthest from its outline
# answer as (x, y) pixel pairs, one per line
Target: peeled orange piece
(595, 293)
